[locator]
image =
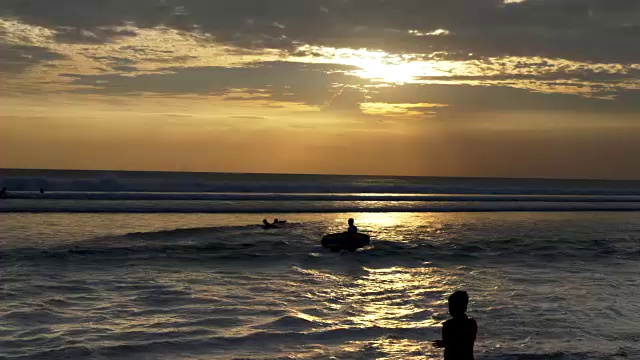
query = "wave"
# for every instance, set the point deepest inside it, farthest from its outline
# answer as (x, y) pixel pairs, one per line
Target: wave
(223, 242)
(250, 242)
(218, 250)
(269, 342)
(317, 197)
(288, 206)
(105, 181)
(179, 343)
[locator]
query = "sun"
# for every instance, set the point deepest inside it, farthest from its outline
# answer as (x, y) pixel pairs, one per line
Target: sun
(392, 72)
(378, 65)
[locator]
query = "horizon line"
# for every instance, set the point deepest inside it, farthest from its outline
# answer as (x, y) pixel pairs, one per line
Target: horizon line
(316, 174)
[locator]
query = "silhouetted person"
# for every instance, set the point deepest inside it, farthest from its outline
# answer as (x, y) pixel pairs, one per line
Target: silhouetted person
(276, 221)
(267, 225)
(459, 332)
(352, 228)
(41, 190)
(3, 193)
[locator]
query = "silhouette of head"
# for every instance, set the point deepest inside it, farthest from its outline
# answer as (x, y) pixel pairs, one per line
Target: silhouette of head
(275, 220)
(265, 222)
(350, 222)
(458, 302)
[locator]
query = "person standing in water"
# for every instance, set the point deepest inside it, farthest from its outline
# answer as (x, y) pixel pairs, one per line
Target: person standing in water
(458, 333)
(3, 193)
(352, 228)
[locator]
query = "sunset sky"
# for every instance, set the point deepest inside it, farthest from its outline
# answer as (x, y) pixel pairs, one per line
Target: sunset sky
(509, 88)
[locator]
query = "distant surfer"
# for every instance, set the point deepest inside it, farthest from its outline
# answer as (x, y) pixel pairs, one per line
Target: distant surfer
(352, 228)
(3, 193)
(41, 190)
(266, 225)
(276, 221)
(459, 332)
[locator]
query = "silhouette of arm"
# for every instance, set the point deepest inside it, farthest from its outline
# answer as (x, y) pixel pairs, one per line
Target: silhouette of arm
(445, 335)
(474, 328)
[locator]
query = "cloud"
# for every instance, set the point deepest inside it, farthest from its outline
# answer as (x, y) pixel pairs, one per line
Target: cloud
(465, 54)
(438, 32)
(311, 84)
(418, 111)
(18, 58)
(250, 117)
(467, 99)
(331, 88)
(597, 30)
(76, 35)
(125, 68)
(178, 115)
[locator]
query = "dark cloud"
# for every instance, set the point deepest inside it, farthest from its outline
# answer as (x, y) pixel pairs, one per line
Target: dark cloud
(585, 73)
(114, 60)
(125, 68)
(18, 58)
(312, 84)
(470, 99)
(329, 87)
(591, 30)
(144, 54)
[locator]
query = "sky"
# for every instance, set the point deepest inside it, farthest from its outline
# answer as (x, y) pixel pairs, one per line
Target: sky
(491, 88)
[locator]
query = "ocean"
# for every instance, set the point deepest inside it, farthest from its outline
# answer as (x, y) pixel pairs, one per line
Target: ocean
(133, 265)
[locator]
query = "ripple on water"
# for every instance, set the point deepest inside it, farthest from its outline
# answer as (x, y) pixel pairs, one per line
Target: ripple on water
(537, 291)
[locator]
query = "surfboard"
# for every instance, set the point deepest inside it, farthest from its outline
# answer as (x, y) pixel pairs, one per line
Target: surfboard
(345, 241)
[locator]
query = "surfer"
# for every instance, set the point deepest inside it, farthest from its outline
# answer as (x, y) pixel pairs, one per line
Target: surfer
(3, 193)
(349, 240)
(266, 225)
(276, 221)
(352, 228)
(459, 332)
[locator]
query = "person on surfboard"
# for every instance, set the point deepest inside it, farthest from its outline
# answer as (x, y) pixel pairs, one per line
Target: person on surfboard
(266, 225)
(458, 333)
(352, 228)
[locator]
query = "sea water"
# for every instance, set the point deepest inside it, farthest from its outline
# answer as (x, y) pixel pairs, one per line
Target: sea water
(157, 273)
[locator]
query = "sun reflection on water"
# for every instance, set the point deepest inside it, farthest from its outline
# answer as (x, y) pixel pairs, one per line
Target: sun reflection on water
(396, 227)
(400, 306)
(398, 295)
(382, 220)
(395, 297)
